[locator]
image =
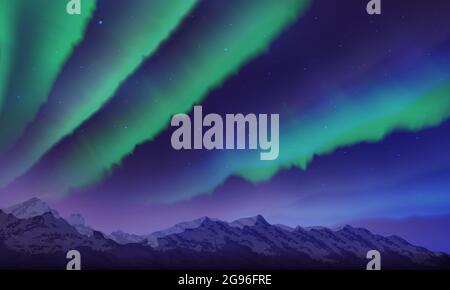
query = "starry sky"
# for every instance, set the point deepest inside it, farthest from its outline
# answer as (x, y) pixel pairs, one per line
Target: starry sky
(364, 104)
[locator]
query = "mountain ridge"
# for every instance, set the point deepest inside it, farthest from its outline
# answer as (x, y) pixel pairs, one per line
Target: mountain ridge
(247, 242)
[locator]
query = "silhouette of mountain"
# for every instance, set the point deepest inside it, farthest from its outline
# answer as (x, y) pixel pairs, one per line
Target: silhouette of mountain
(41, 241)
(46, 234)
(122, 237)
(319, 245)
(30, 208)
(77, 221)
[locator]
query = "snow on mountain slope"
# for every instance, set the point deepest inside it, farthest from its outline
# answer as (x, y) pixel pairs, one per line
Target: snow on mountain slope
(178, 228)
(318, 244)
(30, 208)
(122, 237)
(77, 221)
(250, 221)
(46, 234)
(33, 227)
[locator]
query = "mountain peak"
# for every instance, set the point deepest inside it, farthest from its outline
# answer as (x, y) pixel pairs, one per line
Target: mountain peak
(76, 220)
(249, 221)
(206, 220)
(261, 219)
(30, 208)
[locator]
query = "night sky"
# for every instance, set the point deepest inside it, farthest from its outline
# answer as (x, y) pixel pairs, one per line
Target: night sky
(364, 104)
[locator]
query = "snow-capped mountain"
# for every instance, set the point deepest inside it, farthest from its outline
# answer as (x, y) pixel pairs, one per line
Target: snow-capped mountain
(248, 242)
(320, 245)
(77, 221)
(123, 238)
(45, 234)
(284, 227)
(249, 222)
(30, 208)
(36, 207)
(317, 244)
(178, 228)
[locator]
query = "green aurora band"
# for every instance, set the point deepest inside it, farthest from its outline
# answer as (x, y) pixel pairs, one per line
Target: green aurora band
(389, 110)
(87, 91)
(34, 47)
(196, 69)
(403, 105)
(412, 102)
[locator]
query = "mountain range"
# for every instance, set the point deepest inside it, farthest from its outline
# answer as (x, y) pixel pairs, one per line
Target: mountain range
(35, 236)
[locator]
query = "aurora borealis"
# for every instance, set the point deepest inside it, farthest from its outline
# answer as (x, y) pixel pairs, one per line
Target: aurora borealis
(364, 105)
